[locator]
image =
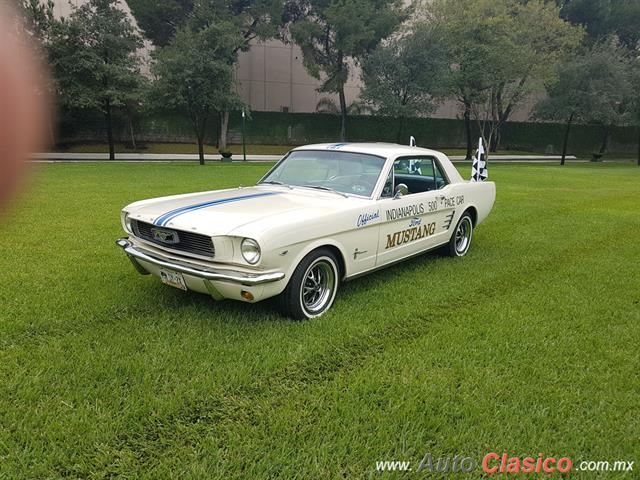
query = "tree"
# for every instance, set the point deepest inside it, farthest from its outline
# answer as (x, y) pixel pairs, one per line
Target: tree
(193, 75)
(160, 19)
(39, 19)
(404, 77)
(634, 98)
(261, 19)
(333, 33)
(95, 63)
(40, 25)
(501, 51)
(253, 19)
(589, 89)
(603, 18)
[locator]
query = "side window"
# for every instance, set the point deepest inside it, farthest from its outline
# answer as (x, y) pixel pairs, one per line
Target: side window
(420, 174)
(441, 180)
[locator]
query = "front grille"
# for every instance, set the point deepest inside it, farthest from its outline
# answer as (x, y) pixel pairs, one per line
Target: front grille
(187, 241)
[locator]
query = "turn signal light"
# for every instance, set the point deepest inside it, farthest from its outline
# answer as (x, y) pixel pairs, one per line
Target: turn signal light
(246, 295)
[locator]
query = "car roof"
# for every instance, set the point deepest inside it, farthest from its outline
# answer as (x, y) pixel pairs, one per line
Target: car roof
(382, 149)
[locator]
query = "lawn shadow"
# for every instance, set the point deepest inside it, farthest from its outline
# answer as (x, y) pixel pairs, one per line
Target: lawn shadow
(168, 300)
(152, 297)
(368, 282)
(189, 305)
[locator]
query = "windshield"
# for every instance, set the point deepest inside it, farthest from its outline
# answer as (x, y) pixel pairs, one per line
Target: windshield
(351, 173)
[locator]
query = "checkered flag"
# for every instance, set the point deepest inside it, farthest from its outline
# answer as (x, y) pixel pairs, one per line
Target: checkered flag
(479, 170)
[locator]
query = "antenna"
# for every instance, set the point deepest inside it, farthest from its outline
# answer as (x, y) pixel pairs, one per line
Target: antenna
(412, 141)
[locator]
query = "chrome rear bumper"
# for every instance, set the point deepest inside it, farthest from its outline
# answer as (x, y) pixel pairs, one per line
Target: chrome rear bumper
(212, 274)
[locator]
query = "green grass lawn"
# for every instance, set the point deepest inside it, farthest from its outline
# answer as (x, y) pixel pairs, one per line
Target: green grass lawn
(527, 345)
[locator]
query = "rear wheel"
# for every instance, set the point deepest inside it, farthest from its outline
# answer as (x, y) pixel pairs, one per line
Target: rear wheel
(312, 287)
(461, 239)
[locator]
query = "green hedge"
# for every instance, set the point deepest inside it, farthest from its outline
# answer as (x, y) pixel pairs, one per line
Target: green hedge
(300, 128)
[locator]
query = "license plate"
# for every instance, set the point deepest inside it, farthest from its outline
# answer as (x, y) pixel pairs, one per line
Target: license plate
(175, 279)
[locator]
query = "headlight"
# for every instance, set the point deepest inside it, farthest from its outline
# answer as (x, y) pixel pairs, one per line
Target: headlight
(126, 223)
(250, 250)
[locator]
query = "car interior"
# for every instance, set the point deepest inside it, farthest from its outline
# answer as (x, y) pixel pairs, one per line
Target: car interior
(417, 175)
(419, 183)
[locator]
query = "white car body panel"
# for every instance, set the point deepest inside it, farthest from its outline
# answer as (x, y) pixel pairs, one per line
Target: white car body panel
(288, 223)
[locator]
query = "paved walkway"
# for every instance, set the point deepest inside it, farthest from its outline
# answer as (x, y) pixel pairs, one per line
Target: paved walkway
(187, 157)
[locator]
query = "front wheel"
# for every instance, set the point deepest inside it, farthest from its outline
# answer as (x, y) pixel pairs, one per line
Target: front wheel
(461, 239)
(312, 287)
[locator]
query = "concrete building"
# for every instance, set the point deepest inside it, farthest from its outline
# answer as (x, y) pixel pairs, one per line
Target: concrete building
(271, 77)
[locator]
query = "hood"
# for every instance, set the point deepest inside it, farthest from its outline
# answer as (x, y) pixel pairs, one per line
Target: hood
(221, 212)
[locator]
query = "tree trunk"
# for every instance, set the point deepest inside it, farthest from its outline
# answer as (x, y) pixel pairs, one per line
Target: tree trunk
(639, 146)
(605, 141)
(224, 126)
(495, 139)
(566, 139)
(218, 125)
(133, 137)
(467, 129)
(112, 153)
(52, 135)
(201, 149)
(201, 129)
(343, 114)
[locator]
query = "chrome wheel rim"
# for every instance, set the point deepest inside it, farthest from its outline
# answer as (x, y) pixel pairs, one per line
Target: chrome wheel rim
(318, 286)
(463, 236)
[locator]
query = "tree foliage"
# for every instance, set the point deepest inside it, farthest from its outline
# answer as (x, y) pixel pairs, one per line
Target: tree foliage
(593, 87)
(603, 18)
(160, 19)
(38, 19)
(405, 76)
(193, 75)
(251, 19)
(634, 98)
(94, 58)
(502, 51)
(333, 33)
(255, 19)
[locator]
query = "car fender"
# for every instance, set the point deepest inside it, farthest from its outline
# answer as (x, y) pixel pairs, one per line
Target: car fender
(304, 248)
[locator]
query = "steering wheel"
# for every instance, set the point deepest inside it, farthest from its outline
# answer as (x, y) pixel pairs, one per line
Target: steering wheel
(361, 187)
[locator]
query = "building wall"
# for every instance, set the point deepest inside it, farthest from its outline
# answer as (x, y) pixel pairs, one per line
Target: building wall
(271, 77)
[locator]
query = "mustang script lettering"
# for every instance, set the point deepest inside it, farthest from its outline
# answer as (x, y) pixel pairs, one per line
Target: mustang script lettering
(410, 235)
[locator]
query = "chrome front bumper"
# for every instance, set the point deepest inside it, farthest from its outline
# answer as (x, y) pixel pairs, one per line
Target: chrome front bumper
(211, 274)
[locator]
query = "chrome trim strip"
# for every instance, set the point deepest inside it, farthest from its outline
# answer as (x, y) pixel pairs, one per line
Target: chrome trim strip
(232, 276)
(394, 262)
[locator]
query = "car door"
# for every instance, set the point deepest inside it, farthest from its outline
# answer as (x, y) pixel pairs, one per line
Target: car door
(416, 221)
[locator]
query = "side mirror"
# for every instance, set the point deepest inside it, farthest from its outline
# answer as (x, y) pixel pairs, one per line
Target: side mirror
(401, 189)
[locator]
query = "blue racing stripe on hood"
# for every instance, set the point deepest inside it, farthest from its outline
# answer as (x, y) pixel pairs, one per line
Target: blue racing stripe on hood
(165, 218)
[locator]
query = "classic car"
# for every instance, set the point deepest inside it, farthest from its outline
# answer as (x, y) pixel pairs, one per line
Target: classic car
(322, 215)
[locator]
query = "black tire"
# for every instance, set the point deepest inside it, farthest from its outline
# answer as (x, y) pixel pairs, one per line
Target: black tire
(461, 237)
(303, 299)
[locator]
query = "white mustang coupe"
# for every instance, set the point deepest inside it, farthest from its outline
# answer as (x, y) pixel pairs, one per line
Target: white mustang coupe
(323, 214)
